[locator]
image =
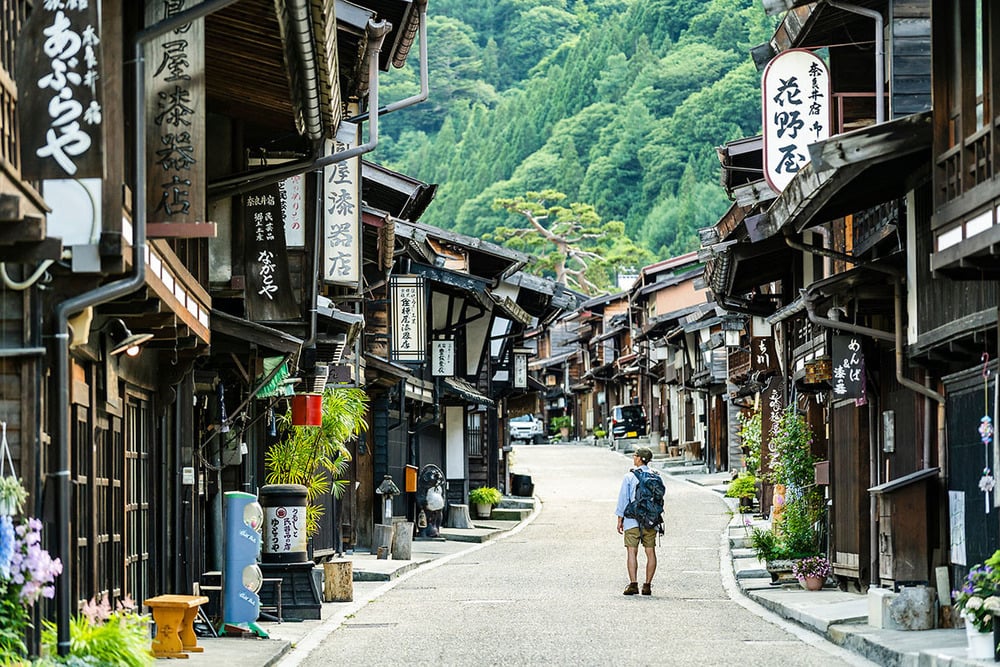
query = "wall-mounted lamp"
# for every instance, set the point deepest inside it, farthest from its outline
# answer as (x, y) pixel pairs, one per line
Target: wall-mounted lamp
(123, 340)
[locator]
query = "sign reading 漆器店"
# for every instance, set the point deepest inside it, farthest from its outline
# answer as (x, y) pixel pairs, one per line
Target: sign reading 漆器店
(342, 212)
(175, 121)
(796, 104)
(59, 80)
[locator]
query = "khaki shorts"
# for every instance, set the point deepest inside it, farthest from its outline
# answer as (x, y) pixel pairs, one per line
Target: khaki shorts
(648, 537)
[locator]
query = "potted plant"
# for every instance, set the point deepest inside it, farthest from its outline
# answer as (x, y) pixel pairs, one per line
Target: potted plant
(977, 601)
(317, 456)
(812, 572)
(561, 424)
(12, 496)
(743, 487)
(484, 498)
(102, 636)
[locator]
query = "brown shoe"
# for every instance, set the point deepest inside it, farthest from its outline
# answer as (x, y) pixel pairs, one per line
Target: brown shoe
(646, 589)
(632, 589)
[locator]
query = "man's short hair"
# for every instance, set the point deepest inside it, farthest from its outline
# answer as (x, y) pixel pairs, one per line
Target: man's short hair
(645, 454)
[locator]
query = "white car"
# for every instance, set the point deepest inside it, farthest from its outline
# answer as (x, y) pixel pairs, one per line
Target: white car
(526, 428)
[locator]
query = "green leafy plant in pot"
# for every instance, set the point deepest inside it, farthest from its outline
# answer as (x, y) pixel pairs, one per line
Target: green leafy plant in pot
(317, 456)
(743, 487)
(561, 424)
(12, 496)
(484, 498)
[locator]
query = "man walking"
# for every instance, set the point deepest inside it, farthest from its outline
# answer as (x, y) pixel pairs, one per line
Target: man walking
(629, 526)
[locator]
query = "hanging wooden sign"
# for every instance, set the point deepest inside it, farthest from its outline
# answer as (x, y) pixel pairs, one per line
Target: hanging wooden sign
(796, 108)
(60, 78)
(848, 367)
(342, 212)
(269, 294)
(409, 321)
(175, 125)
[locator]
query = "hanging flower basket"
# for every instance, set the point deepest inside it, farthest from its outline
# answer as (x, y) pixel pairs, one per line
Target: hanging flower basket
(12, 496)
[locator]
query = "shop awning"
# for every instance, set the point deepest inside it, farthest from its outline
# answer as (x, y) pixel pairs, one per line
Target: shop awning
(463, 389)
(225, 324)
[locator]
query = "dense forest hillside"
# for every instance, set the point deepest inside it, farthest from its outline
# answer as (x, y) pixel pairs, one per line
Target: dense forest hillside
(615, 103)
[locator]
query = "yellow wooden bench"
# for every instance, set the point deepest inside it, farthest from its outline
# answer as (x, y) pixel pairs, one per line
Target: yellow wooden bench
(174, 616)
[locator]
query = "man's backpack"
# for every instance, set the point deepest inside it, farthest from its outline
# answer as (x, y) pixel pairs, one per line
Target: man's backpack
(646, 506)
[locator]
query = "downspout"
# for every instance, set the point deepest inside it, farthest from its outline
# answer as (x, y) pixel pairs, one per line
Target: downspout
(424, 78)
(95, 297)
(900, 378)
(236, 185)
(807, 299)
(302, 41)
(879, 54)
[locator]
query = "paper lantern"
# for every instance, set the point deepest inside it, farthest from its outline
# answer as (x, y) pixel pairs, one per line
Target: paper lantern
(307, 410)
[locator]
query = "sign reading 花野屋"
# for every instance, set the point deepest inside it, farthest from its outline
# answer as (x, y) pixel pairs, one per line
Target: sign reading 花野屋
(59, 77)
(796, 104)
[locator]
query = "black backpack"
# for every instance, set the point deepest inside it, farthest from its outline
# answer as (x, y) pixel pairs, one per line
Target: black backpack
(646, 506)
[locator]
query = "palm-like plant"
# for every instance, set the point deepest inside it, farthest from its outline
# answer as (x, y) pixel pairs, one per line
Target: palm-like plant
(317, 456)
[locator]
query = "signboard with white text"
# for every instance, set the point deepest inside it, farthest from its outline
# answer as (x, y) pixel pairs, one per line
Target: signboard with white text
(409, 321)
(796, 105)
(443, 358)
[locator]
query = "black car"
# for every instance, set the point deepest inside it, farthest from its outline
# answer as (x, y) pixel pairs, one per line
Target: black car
(627, 421)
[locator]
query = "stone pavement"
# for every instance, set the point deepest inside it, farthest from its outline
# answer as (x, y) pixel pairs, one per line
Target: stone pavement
(372, 578)
(837, 616)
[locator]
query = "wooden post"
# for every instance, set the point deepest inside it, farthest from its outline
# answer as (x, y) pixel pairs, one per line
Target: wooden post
(338, 581)
(402, 541)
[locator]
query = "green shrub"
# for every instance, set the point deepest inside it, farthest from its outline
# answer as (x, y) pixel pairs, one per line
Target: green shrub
(485, 495)
(563, 421)
(744, 486)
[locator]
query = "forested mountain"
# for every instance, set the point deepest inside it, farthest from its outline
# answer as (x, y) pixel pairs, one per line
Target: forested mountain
(616, 103)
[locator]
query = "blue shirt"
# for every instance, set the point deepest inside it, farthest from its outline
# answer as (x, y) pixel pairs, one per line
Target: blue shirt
(625, 495)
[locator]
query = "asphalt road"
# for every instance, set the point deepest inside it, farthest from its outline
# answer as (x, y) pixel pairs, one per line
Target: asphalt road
(551, 593)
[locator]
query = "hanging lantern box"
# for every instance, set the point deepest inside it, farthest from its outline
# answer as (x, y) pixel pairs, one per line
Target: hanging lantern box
(307, 410)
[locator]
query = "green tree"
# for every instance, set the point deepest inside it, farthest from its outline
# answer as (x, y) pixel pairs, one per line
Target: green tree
(570, 242)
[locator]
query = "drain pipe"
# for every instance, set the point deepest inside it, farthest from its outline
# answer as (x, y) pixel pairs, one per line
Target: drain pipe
(95, 297)
(807, 299)
(879, 54)
(900, 378)
(302, 42)
(840, 256)
(424, 86)
(237, 185)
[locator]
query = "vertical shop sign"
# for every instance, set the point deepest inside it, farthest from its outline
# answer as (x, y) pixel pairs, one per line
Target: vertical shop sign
(848, 367)
(293, 211)
(520, 379)
(269, 292)
(409, 323)
(342, 212)
(175, 124)
(796, 107)
(59, 79)
(443, 358)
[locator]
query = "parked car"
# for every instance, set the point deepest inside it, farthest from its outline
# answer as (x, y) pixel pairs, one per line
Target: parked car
(527, 428)
(627, 421)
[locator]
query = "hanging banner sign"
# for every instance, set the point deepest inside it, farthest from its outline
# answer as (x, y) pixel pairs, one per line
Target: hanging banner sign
(409, 322)
(796, 107)
(59, 79)
(443, 358)
(293, 210)
(175, 125)
(342, 212)
(520, 379)
(269, 294)
(762, 355)
(848, 367)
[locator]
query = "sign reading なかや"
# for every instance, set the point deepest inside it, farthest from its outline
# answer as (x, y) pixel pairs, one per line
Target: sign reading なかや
(796, 108)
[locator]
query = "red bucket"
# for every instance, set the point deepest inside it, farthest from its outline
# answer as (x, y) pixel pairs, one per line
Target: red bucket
(307, 410)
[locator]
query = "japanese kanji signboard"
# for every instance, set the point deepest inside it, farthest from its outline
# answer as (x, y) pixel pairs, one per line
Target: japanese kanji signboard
(443, 358)
(175, 125)
(796, 104)
(59, 79)
(342, 212)
(409, 321)
(269, 293)
(848, 367)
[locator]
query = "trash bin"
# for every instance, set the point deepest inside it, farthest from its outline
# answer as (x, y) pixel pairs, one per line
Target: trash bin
(521, 485)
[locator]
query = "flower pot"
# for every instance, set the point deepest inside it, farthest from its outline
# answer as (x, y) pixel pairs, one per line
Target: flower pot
(780, 571)
(812, 583)
(980, 643)
(483, 510)
(564, 432)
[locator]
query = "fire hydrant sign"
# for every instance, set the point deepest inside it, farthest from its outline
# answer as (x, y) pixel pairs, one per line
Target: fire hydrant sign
(285, 529)
(796, 104)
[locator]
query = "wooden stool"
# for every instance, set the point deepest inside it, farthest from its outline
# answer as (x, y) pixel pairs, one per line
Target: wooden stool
(174, 616)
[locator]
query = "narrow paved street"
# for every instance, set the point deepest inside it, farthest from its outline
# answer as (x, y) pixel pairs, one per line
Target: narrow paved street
(551, 593)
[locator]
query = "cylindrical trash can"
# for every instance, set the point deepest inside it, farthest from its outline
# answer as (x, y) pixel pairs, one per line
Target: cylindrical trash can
(284, 523)
(521, 485)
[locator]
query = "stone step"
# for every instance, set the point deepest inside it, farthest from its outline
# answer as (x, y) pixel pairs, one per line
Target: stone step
(510, 513)
(517, 503)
